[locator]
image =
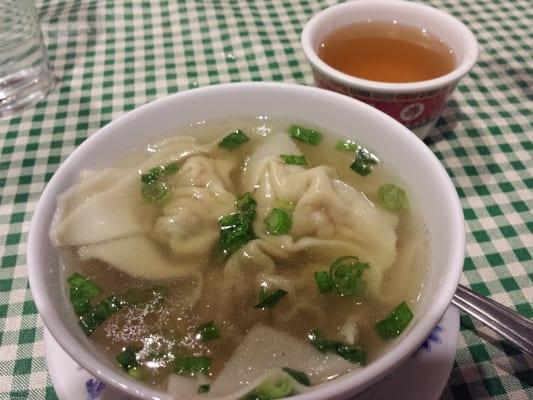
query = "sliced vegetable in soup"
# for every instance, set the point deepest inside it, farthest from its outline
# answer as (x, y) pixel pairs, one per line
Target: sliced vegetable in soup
(249, 258)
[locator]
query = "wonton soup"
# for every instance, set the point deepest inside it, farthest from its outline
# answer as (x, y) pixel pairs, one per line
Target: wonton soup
(250, 258)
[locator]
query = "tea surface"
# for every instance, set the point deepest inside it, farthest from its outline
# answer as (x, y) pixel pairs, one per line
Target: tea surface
(387, 52)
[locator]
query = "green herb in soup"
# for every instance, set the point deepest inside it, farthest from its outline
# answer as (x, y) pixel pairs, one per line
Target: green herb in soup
(262, 253)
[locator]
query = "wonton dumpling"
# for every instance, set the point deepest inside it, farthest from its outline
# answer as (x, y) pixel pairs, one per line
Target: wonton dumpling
(189, 220)
(105, 213)
(325, 207)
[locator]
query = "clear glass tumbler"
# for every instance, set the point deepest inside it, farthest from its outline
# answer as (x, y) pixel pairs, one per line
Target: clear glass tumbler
(25, 74)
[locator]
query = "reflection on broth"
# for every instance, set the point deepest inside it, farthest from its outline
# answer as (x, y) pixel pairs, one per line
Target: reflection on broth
(232, 264)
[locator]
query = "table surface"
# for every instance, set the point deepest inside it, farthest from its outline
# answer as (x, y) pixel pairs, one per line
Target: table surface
(111, 57)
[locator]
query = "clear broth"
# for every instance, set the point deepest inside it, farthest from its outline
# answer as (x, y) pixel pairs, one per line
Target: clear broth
(131, 326)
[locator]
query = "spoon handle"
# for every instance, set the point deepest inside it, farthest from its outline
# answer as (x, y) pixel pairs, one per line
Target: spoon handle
(508, 323)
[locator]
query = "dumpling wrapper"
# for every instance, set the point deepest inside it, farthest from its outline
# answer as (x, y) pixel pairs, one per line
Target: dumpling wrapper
(101, 208)
(137, 256)
(325, 207)
(107, 205)
(265, 348)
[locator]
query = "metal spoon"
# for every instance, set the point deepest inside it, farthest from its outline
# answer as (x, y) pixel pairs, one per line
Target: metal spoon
(508, 323)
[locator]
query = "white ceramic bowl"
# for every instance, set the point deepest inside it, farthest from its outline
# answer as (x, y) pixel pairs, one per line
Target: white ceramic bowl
(419, 168)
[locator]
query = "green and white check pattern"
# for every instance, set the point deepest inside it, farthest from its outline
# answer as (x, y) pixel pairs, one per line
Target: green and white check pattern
(112, 56)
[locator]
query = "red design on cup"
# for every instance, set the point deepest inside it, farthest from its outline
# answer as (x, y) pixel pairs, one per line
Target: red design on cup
(413, 110)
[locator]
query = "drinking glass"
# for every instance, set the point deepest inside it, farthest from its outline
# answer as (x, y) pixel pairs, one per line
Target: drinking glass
(25, 75)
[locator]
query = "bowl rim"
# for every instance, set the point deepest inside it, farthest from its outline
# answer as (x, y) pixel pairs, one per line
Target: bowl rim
(340, 386)
(470, 45)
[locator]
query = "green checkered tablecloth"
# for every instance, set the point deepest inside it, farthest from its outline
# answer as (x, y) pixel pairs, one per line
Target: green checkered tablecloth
(112, 56)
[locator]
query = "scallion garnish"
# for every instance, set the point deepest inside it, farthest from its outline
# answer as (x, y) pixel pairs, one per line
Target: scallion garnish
(353, 354)
(85, 286)
(346, 274)
(392, 197)
(298, 376)
(278, 222)
(233, 140)
(192, 365)
(81, 291)
(170, 169)
(293, 159)
(284, 205)
(204, 388)
(364, 161)
(236, 229)
(80, 302)
(99, 313)
(208, 331)
(395, 322)
(323, 282)
(127, 358)
(246, 203)
(271, 389)
(152, 175)
(346, 145)
(271, 300)
(263, 293)
(305, 135)
(155, 192)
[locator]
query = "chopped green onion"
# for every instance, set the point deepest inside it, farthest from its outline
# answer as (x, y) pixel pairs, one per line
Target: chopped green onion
(293, 159)
(263, 293)
(346, 145)
(305, 135)
(364, 162)
(323, 282)
(236, 229)
(392, 197)
(99, 313)
(144, 297)
(353, 354)
(192, 365)
(204, 388)
(170, 169)
(278, 222)
(284, 205)
(271, 389)
(85, 286)
(272, 299)
(81, 291)
(321, 344)
(127, 358)
(298, 376)
(152, 175)
(395, 322)
(208, 331)
(155, 192)
(136, 373)
(233, 140)
(246, 203)
(80, 302)
(346, 274)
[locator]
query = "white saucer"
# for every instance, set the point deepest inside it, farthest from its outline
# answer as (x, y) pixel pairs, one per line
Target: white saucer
(422, 377)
